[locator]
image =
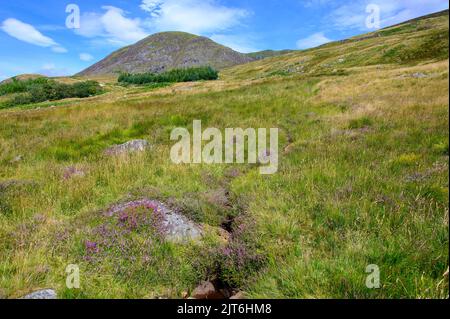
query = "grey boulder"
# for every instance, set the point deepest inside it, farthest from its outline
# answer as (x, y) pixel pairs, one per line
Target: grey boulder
(128, 147)
(41, 294)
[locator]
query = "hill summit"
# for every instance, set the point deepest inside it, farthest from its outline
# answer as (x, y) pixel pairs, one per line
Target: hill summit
(167, 50)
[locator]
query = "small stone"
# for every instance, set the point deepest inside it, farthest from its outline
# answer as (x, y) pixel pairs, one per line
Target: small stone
(239, 296)
(128, 147)
(16, 159)
(184, 295)
(41, 294)
(419, 75)
(72, 172)
(206, 290)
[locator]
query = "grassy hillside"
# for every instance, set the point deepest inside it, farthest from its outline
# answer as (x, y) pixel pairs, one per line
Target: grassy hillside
(363, 178)
(410, 43)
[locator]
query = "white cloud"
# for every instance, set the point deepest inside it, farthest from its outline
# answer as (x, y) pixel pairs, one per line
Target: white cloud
(90, 25)
(121, 28)
(195, 16)
(353, 16)
(86, 57)
(152, 6)
(113, 25)
(313, 40)
(26, 32)
(29, 34)
(236, 42)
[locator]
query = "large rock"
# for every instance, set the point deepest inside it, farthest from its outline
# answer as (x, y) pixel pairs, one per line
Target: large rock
(206, 290)
(128, 147)
(174, 226)
(180, 229)
(41, 294)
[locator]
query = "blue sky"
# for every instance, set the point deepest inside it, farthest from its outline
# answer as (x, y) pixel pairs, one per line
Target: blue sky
(34, 37)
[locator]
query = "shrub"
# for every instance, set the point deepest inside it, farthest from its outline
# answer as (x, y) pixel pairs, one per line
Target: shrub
(172, 76)
(50, 90)
(17, 86)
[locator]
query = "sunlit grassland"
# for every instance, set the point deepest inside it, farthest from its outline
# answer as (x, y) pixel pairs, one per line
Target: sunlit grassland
(363, 179)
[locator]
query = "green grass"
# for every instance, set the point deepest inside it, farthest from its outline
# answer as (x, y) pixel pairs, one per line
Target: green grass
(363, 179)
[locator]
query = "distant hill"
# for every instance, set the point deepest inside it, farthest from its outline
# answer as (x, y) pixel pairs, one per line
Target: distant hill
(268, 54)
(23, 77)
(168, 50)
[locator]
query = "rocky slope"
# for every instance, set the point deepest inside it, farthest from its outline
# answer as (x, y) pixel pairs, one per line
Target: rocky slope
(164, 51)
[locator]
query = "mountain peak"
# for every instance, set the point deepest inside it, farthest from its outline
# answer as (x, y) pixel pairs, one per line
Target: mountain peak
(167, 50)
